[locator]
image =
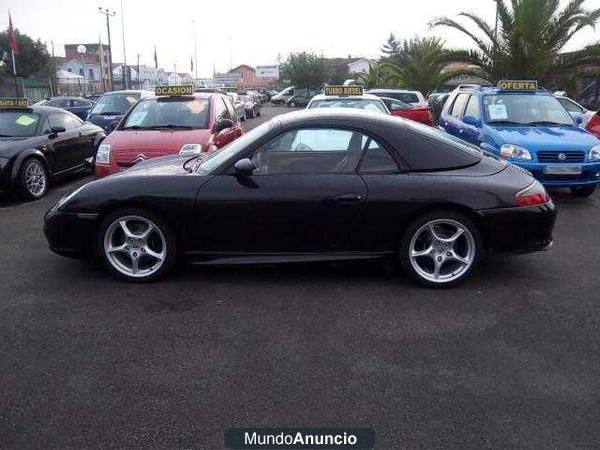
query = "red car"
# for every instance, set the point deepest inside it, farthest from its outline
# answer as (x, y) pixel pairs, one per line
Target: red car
(406, 103)
(593, 125)
(168, 125)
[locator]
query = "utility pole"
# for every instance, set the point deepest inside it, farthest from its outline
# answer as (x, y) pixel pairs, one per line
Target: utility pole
(195, 50)
(139, 82)
(124, 52)
(108, 13)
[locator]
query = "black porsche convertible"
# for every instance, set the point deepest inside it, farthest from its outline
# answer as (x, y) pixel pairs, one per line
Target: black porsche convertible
(317, 185)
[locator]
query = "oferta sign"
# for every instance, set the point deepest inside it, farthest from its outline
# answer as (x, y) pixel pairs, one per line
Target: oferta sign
(13, 102)
(518, 85)
(182, 89)
(354, 89)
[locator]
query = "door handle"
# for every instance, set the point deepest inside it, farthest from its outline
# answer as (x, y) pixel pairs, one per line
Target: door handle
(348, 199)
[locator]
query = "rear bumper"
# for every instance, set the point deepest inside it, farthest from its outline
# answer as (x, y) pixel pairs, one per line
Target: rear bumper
(70, 234)
(590, 173)
(519, 229)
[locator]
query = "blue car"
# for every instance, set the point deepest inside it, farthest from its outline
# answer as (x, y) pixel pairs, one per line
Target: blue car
(76, 105)
(528, 127)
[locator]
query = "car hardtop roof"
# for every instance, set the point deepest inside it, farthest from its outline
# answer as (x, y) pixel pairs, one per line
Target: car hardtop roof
(340, 97)
(339, 115)
(129, 91)
(395, 91)
(494, 90)
(37, 109)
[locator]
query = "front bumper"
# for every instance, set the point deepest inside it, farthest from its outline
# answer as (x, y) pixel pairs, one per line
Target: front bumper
(519, 229)
(70, 234)
(590, 173)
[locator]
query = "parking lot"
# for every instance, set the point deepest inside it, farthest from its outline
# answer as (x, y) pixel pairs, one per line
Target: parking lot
(510, 358)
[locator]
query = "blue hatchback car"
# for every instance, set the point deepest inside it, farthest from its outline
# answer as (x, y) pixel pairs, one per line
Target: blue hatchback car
(528, 127)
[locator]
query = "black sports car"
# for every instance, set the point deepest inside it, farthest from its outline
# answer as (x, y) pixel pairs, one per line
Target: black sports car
(40, 144)
(312, 185)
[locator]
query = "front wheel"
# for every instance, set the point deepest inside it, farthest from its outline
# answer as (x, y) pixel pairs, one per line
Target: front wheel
(258, 113)
(33, 179)
(440, 249)
(583, 191)
(136, 245)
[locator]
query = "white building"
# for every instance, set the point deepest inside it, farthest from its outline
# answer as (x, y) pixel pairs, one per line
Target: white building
(359, 65)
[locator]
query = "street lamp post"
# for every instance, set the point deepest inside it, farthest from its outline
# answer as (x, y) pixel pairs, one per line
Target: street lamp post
(81, 49)
(108, 13)
(124, 52)
(195, 51)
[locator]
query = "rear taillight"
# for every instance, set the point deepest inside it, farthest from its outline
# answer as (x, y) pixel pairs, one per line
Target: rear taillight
(532, 195)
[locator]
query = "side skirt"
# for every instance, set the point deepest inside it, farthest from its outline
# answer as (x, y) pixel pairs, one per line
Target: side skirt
(232, 258)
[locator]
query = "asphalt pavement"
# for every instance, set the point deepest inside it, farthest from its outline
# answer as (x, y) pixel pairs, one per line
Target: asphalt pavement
(511, 359)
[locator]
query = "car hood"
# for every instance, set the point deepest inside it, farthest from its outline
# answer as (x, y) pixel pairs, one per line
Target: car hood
(10, 146)
(126, 145)
(165, 165)
(536, 138)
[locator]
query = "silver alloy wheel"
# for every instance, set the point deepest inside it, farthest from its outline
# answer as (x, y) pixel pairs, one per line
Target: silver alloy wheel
(35, 178)
(135, 246)
(442, 250)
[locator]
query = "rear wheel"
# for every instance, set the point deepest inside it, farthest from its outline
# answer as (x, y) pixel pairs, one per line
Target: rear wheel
(440, 249)
(136, 245)
(583, 191)
(33, 179)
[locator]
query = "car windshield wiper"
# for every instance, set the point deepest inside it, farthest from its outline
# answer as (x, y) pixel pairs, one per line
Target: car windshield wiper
(136, 127)
(187, 161)
(171, 126)
(547, 122)
(504, 122)
(108, 113)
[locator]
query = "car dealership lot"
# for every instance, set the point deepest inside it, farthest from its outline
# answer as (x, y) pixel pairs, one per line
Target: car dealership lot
(509, 358)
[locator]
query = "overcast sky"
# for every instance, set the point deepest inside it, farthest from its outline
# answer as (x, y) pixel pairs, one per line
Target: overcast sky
(255, 31)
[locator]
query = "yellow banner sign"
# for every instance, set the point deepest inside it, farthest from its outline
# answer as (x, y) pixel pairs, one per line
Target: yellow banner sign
(355, 89)
(15, 102)
(183, 89)
(518, 85)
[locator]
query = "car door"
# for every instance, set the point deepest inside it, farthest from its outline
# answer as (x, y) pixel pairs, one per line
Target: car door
(452, 121)
(471, 132)
(304, 196)
(71, 146)
(226, 135)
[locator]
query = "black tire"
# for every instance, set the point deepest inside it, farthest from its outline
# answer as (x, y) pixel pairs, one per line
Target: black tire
(417, 224)
(26, 191)
(258, 113)
(170, 240)
(583, 191)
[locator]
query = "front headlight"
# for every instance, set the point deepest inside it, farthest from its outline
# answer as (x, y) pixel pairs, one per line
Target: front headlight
(595, 153)
(514, 151)
(190, 149)
(103, 154)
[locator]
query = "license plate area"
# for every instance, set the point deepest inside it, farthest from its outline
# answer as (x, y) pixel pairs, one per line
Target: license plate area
(562, 170)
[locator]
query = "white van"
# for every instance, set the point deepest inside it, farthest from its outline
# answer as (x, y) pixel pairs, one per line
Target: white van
(283, 96)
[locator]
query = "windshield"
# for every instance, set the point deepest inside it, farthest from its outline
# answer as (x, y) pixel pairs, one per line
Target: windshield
(525, 109)
(406, 97)
(357, 103)
(169, 112)
(18, 123)
(115, 104)
(215, 159)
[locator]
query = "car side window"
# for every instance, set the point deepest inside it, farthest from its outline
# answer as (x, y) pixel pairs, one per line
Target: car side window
(59, 103)
(310, 151)
(66, 121)
(459, 105)
(472, 108)
(570, 106)
(220, 110)
(376, 158)
(81, 103)
(230, 110)
(46, 128)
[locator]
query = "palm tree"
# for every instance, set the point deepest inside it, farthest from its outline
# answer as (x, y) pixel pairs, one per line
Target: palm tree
(529, 41)
(371, 78)
(420, 65)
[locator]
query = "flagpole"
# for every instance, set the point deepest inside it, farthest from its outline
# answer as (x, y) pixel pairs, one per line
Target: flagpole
(15, 73)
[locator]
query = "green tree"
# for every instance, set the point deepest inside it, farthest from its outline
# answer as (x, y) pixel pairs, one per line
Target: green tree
(372, 78)
(305, 70)
(31, 61)
(420, 65)
(529, 41)
(391, 49)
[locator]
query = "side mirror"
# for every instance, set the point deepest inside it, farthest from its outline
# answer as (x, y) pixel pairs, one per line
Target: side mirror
(56, 130)
(223, 124)
(578, 120)
(244, 167)
(473, 121)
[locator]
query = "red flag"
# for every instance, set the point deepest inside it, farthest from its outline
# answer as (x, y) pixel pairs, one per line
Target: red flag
(12, 37)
